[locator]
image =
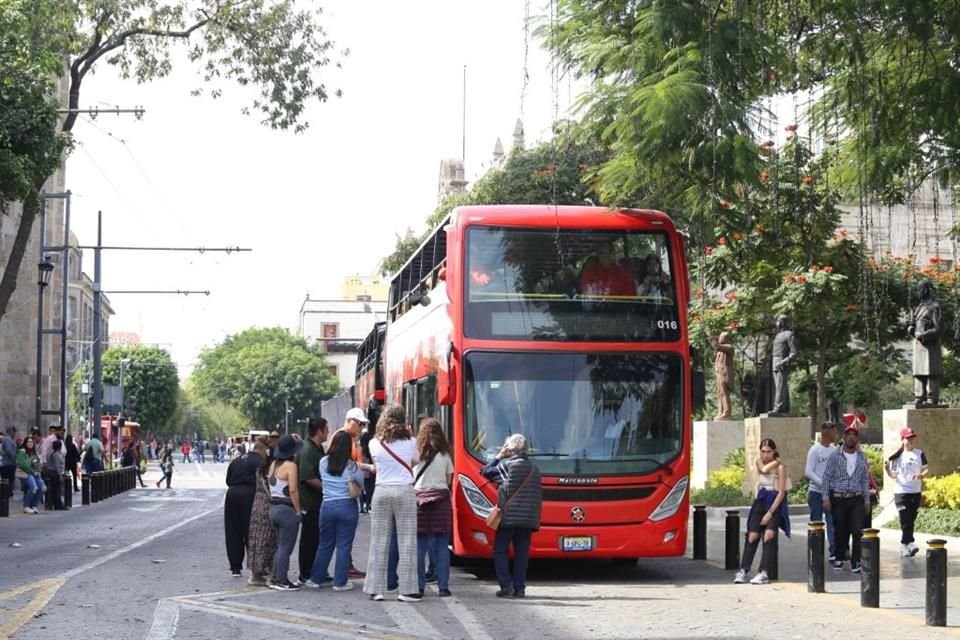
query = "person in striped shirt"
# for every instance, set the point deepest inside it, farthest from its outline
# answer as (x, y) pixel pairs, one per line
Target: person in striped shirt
(846, 494)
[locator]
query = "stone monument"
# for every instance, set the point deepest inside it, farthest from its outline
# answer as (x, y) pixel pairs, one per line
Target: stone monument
(723, 370)
(784, 353)
(926, 326)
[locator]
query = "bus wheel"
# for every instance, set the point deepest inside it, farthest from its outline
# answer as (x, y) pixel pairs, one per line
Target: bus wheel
(625, 562)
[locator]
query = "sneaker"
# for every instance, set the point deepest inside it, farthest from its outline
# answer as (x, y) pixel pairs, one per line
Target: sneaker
(28, 511)
(519, 593)
(410, 597)
(286, 585)
(833, 557)
(35, 511)
(310, 584)
(837, 565)
(257, 581)
(431, 578)
(914, 549)
(377, 597)
(740, 578)
(236, 574)
(854, 567)
(504, 593)
(444, 593)
(905, 551)
(343, 587)
(760, 578)
(353, 572)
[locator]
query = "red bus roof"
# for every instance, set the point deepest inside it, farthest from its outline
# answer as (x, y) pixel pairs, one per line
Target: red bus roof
(561, 216)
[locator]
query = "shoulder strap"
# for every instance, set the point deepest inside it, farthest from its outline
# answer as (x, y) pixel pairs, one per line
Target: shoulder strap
(422, 469)
(396, 457)
(529, 473)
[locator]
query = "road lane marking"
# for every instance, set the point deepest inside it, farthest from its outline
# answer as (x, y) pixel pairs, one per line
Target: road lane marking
(165, 619)
(466, 619)
(45, 590)
(407, 617)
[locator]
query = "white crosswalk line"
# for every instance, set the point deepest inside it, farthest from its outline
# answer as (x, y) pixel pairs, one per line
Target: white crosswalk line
(409, 620)
(466, 619)
(165, 618)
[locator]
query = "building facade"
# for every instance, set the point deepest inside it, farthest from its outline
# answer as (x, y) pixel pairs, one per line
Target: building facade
(339, 326)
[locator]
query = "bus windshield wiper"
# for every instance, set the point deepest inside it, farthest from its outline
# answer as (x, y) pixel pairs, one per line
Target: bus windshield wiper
(658, 464)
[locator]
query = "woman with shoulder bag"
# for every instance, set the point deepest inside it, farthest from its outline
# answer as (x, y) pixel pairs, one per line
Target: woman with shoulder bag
(394, 452)
(519, 500)
(432, 482)
(341, 478)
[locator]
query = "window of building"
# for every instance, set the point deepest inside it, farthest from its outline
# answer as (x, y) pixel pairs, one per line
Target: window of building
(334, 370)
(330, 330)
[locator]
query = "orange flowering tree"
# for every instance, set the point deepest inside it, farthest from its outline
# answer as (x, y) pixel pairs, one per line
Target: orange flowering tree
(777, 249)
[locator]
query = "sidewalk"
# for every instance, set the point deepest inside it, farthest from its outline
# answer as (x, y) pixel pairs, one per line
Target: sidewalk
(902, 580)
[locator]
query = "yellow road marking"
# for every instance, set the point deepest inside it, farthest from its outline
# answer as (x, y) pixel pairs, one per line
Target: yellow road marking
(854, 603)
(45, 590)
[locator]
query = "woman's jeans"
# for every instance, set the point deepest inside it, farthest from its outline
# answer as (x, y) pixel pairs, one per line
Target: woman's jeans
(287, 523)
(33, 490)
(338, 525)
(815, 502)
(434, 545)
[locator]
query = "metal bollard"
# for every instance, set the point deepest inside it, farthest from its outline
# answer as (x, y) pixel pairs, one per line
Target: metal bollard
(732, 541)
(66, 482)
(870, 569)
(699, 532)
(111, 483)
(773, 557)
(4, 498)
(816, 533)
(96, 486)
(85, 489)
(936, 606)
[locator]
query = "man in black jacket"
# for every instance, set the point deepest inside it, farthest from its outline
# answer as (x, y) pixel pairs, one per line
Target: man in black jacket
(241, 487)
(520, 498)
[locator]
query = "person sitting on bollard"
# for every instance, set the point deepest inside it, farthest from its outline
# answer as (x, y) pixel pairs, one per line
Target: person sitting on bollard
(817, 458)
(29, 473)
(767, 514)
(846, 494)
(907, 467)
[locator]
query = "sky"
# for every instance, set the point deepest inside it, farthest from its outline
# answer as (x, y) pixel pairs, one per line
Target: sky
(313, 207)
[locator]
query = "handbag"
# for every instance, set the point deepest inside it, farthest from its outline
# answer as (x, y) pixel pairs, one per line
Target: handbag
(496, 515)
(355, 489)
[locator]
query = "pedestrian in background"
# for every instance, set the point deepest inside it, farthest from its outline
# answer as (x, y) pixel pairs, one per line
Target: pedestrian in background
(285, 509)
(369, 479)
(241, 487)
(72, 461)
(8, 458)
(817, 458)
(166, 466)
(768, 513)
(338, 512)
(30, 473)
(93, 455)
(907, 467)
(520, 499)
(311, 494)
(432, 483)
(394, 452)
(55, 466)
(261, 537)
(846, 494)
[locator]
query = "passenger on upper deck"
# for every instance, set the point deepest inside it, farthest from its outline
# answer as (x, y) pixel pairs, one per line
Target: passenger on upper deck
(653, 281)
(604, 276)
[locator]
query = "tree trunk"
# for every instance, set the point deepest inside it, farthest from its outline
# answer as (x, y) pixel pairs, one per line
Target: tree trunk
(8, 284)
(820, 405)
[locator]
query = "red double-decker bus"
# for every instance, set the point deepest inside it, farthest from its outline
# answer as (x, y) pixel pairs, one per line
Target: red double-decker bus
(567, 325)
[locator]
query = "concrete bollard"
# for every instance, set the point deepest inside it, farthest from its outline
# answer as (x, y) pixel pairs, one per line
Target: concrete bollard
(85, 489)
(870, 569)
(732, 541)
(4, 498)
(699, 532)
(936, 601)
(816, 533)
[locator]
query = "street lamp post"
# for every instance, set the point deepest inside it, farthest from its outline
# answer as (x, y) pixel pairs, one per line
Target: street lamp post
(286, 415)
(124, 362)
(44, 271)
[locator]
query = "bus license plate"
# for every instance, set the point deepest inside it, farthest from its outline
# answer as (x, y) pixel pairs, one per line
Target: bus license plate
(576, 543)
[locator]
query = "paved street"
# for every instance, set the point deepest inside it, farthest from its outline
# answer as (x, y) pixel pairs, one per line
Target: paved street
(160, 572)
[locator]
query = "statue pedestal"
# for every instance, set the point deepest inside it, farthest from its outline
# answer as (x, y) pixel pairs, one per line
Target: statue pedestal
(712, 441)
(792, 436)
(938, 436)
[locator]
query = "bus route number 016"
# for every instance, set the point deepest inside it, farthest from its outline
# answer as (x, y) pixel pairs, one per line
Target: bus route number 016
(667, 324)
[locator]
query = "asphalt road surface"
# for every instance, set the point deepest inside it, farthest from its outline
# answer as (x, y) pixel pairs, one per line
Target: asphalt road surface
(151, 564)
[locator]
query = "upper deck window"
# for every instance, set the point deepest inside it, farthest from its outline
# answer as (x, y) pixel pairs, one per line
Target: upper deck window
(569, 284)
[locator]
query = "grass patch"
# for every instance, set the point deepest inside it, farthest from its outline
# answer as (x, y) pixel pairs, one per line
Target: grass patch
(942, 522)
(719, 497)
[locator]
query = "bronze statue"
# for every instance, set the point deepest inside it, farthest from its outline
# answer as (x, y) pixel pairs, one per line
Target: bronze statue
(723, 369)
(784, 353)
(926, 327)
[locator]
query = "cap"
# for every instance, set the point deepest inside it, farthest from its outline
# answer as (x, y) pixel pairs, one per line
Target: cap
(274, 434)
(357, 414)
(907, 432)
(852, 427)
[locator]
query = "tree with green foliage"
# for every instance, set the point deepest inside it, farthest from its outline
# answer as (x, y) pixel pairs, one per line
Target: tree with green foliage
(150, 384)
(270, 46)
(261, 371)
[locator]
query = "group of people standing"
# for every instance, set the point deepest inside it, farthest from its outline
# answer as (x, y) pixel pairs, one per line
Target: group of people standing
(313, 489)
(842, 493)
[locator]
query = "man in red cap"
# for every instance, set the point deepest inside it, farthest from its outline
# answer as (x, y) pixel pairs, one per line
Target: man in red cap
(846, 494)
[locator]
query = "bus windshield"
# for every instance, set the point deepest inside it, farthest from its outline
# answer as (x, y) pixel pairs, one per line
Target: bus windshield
(569, 284)
(582, 414)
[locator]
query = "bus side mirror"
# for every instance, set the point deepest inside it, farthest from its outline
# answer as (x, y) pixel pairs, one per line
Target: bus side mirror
(447, 385)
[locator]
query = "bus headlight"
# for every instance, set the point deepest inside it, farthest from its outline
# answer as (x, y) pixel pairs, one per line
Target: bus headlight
(475, 498)
(672, 502)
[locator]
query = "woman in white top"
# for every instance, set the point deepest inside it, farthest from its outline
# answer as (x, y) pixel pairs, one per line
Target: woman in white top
(769, 512)
(433, 479)
(907, 467)
(394, 452)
